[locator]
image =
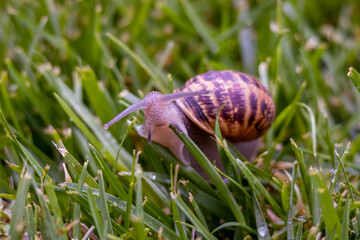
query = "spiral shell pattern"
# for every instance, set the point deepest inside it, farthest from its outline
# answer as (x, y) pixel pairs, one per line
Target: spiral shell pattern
(248, 112)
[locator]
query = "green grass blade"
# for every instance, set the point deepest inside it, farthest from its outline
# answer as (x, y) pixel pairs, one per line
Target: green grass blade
(76, 214)
(138, 219)
(96, 95)
(6, 105)
(70, 160)
(103, 206)
(300, 230)
(186, 210)
(261, 224)
(54, 204)
(290, 221)
(96, 216)
(152, 72)
(212, 173)
(355, 77)
(198, 211)
(108, 149)
(17, 222)
(38, 169)
(328, 212)
(30, 222)
(50, 229)
(149, 221)
(313, 125)
(199, 25)
(109, 176)
(254, 182)
(345, 221)
(130, 193)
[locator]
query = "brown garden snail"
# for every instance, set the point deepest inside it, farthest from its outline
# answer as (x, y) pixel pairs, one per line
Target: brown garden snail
(248, 112)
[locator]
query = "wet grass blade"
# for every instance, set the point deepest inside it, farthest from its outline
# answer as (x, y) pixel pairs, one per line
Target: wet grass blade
(261, 224)
(290, 221)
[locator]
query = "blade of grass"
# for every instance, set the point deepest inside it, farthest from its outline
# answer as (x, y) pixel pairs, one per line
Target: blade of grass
(70, 160)
(107, 149)
(6, 102)
(199, 25)
(138, 219)
(76, 212)
(17, 222)
(95, 94)
(199, 226)
(33, 95)
(130, 193)
(149, 221)
(174, 209)
(38, 169)
(355, 77)
(103, 206)
(30, 222)
(290, 221)
(96, 216)
(50, 229)
(212, 173)
(54, 204)
(109, 176)
(345, 222)
(261, 224)
(329, 215)
(152, 72)
(313, 125)
(254, 182)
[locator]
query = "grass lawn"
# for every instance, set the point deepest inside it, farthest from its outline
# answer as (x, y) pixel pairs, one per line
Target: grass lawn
(68, 67)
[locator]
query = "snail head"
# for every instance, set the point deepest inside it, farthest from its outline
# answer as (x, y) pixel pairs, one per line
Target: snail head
(157, 109)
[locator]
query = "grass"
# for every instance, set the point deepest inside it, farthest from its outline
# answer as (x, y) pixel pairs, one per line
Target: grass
(69, 67)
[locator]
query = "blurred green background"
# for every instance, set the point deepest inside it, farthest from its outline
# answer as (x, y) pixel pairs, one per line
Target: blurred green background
(70, 66)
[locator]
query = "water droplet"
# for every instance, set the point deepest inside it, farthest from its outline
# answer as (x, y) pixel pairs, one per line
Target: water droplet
(153, 177)
(302, 218)
(262, 230)
(115, 204)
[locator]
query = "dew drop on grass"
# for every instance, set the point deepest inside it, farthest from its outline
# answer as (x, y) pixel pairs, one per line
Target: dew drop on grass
(115, 204)
(262, 230)
(302, 218)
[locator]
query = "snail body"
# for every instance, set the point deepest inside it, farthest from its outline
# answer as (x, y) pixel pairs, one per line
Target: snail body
(248, 113)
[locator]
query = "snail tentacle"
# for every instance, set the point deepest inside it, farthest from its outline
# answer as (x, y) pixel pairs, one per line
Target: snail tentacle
(132, 108)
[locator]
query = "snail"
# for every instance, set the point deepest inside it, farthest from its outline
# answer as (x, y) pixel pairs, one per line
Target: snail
(248, 113)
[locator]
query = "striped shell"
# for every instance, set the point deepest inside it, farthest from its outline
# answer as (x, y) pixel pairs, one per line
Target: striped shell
(249, 109)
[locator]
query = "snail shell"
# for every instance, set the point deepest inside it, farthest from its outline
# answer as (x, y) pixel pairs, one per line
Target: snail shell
(248, 112)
